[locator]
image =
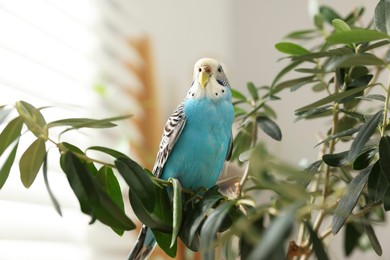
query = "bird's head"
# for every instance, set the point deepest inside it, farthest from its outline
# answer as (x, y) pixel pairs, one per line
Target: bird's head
(209, 80)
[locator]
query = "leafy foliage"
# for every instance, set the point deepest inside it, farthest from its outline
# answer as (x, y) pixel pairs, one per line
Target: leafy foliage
(351, 187)
(345, 68)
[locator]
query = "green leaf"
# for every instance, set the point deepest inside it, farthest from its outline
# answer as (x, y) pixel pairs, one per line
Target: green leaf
(364, 159)
(148, 216)
(51, 194)
(93, 200)
(177, 209)
(354, 15)
(31, 161)
(138, 181)
(329, 14)
(109, 151)
(314, 113)
(237, 94)
(211, 227)
(269, 111)
(82, 188)
(196, 216)
(319, 21)
(228, 251)
(346, 133)
(336, 97)
(318, 246)
(269, 127)
(302, 34)
(291, 48)
(355, 36)
(311, 70)
(316, 55)
(336, 160)
(252, 90)
(310, 170)
(276, 233)
(358, 72)
(91, 123)
(357, 59)
(351, 238)
(377, 183)
(10, 133)
(163, 241)
(375, 45)
(242, 142)
(254, 231)
(77, 123)
(149, 201)
(69, 147)
(355, 115)
(377, 97)
(364, 134)
(283, 72)
(384, 155)
(33, 119)
(386, 199)
(382, 16)
(349, 200)
(373, 239)
(340, 25)
(359, 81)
(6, 167)
(110, 185)
(292, 83)
(353, 101)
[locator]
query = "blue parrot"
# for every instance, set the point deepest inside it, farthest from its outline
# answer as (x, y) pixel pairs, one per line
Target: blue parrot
(197, 139)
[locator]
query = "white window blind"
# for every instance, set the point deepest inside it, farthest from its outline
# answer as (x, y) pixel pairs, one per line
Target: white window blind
(55, 52)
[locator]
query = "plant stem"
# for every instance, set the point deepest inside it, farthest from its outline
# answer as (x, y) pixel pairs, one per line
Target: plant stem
(325, 191)
(332, 146)
(246, 173)
(386, 109)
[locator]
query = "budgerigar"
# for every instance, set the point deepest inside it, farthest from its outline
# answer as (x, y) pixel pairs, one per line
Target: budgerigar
(196, 140)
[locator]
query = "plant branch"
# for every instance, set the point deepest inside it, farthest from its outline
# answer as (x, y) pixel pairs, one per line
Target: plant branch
(386, 109)
(246, 173)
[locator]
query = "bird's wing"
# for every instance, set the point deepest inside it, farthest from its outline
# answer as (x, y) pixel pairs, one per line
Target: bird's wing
(172, 131)
(230, 148)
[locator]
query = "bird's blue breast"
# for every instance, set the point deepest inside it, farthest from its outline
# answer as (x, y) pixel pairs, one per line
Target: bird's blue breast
(199, 154)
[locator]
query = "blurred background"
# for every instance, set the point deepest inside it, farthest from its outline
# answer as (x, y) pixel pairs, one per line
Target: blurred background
(99, 58)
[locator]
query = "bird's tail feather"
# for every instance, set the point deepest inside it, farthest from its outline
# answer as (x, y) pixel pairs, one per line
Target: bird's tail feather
(144, 245)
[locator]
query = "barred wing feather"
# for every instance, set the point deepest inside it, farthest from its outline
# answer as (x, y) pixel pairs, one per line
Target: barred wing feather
(172, 131)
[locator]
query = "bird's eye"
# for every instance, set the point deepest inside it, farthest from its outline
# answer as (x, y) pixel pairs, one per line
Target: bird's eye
(200, 69)
(219, 69)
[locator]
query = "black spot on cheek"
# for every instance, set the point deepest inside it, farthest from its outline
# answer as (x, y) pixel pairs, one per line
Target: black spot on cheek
(223, 91)
(216, 93)
(193, 94)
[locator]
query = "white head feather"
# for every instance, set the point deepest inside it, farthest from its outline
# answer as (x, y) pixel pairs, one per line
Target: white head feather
(209, 80)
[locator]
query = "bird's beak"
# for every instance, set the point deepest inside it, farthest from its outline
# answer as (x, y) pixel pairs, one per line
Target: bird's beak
(204, 76)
